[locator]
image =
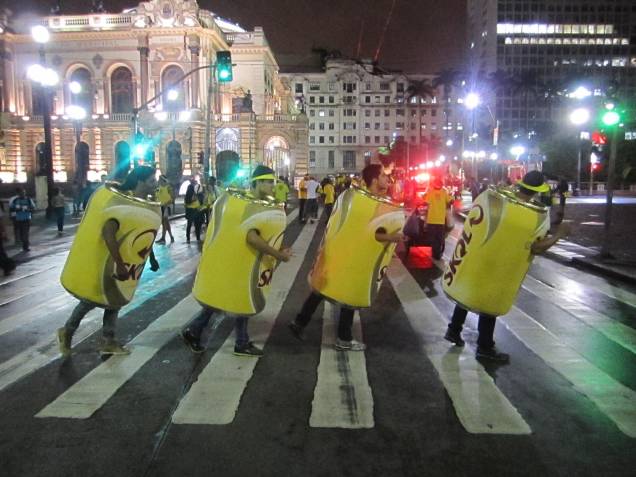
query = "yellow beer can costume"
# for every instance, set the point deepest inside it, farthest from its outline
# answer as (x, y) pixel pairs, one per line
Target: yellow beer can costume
(232, 276)
(351, 263)
(492, 256)
(90, 273)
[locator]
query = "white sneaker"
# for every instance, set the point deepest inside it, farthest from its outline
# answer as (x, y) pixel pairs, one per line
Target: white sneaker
(352, 345)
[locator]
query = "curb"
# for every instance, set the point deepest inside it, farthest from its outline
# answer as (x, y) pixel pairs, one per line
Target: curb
(602, 269)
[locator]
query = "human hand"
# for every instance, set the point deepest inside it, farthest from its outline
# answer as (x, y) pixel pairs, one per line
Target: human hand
(285, 254)
(120, 270)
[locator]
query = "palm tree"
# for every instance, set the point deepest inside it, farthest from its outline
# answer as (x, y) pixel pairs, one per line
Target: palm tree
(448, 79)
(529, 83)
(420, 89)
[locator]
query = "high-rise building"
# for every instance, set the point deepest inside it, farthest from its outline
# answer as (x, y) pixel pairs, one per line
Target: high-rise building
(353, 109)
(550, 48)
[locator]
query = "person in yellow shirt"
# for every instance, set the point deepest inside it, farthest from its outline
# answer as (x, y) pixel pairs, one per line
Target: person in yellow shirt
(302, 198)
(165, 198)
(281, 191)
(438, 200)
(329, 193)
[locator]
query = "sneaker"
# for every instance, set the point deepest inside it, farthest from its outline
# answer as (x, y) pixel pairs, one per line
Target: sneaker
(248, 350)
(297, 330)
(453, 337)
(491, 354)
(112, 347)
(192, 342)
(64, 342)
(353, 345)
(161, 240)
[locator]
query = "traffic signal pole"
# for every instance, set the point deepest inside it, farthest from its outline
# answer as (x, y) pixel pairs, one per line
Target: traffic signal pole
(605, 248)
(207, 164)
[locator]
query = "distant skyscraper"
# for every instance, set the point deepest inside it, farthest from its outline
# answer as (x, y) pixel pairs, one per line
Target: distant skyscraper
(546, 45)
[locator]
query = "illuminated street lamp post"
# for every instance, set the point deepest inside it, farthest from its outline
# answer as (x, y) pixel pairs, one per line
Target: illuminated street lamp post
(472, 101)
(611, 119)
(579, 117)
(45, 77)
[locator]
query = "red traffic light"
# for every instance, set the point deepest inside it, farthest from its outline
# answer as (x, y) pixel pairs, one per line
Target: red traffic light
(595, 166)
(599, 138)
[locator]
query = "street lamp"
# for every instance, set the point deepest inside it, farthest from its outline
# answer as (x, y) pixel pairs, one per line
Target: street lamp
(46, 78)
(472, 100)
(579, 117)
(517, 151)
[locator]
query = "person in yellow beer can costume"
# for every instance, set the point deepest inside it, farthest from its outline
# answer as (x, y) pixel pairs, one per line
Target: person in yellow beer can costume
(240, 252)
(109, 252)
(360, 239)
(502, 232)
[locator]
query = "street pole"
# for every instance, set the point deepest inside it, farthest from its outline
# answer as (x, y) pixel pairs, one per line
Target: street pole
(578, 168)
(48, 152)
(208, 121)
(605, 248)
(591, 178)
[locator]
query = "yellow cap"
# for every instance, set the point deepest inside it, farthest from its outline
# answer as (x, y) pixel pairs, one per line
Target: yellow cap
(264, 177)
(540, 188)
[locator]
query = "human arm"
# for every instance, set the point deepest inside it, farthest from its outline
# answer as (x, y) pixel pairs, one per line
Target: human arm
(381, 235)
(109, 231)
(542, 245)
(256, 241)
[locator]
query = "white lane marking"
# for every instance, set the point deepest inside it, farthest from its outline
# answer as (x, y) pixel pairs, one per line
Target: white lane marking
(622, 335)
(342, 397)
(616, 401)
(45, 351)
(481, 407)
(90, 393)
(215, 397)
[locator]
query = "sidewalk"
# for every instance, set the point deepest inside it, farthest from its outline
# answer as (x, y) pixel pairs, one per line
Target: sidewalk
(45, 240)
(587, 232)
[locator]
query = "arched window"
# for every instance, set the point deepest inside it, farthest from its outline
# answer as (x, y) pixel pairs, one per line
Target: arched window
(85, 97)
(169, 79)
(121, 90)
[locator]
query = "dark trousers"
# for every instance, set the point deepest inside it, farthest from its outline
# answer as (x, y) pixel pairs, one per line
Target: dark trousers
(311, 208)
(436, 233)
(328, 210)
(197, 325)
(301, 209)
(486, 326)
(23, 227)
(80, 311)
(193, 216)
(59, 215)
(345, 323)
(5, 262)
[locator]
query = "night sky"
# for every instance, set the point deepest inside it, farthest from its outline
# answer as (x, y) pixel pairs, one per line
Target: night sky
(423, 36)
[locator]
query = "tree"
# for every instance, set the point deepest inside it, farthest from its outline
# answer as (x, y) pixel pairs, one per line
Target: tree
(447, 79)
(420, 89)
(561, 156)
(528, 84)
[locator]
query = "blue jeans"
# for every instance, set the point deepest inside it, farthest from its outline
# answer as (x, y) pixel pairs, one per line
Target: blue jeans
(197, 325)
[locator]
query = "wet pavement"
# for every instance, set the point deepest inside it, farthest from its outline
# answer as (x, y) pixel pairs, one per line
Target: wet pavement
(410, 405)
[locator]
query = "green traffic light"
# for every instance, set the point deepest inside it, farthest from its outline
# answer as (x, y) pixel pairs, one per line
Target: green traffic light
(240, 173)
(140, 150)
(611, 118)
(224, 74)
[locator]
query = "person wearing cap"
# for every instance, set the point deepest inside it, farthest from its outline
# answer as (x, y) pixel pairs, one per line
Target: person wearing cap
(532, 184)
(438, 200)
(262, 188)
(165, 197)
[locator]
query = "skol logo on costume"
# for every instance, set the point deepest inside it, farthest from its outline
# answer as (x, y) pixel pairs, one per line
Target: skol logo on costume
(232, 276)
(351, 262)
(90, 272)
(492, 256)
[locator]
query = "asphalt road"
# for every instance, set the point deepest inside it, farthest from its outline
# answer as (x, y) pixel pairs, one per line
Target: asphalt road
(411, 405)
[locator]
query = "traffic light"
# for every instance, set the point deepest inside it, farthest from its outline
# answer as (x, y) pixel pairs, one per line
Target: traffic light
(611, 118)
(224, 66)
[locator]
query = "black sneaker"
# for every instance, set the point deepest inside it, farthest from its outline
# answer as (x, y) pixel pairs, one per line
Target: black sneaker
(192, 342)
(454, 337)
(491, 354)
(297, 330)
(248, 350)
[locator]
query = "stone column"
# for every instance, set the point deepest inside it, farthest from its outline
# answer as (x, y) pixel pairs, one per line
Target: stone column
(195, 48)
(143, 67)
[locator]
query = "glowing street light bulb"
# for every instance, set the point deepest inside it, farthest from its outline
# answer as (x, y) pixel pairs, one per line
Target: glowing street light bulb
(581, 93)
(517, 150)
(173, 95)
(35, 72)
(75, 87)
(579, 116)
(76, 113)
(472, 100)
(449, 142)
(40, 34)
(494, 156)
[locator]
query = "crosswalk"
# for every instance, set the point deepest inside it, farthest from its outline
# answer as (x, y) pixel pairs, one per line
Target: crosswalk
(343, 396)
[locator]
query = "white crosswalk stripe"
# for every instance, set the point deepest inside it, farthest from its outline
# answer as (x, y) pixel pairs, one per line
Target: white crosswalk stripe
(342, 397)
(480, 406)
(226, 376)
(85, 397)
